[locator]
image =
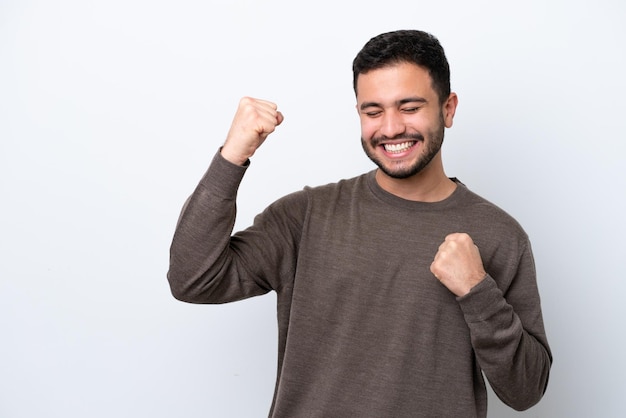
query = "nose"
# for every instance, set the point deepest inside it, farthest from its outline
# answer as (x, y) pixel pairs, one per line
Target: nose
(392, 124)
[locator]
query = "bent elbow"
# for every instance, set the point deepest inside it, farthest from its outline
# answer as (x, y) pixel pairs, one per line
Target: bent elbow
(525, 404)
(180, 288)
(530, 394)
(181, 295)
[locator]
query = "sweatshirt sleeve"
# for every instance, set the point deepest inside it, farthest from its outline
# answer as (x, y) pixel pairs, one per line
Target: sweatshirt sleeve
(508, 335)
(210, 265)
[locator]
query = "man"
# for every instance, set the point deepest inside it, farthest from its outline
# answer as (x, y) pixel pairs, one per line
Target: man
(397, 289)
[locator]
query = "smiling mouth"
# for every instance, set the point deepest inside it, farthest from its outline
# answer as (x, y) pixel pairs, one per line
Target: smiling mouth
(399, 148)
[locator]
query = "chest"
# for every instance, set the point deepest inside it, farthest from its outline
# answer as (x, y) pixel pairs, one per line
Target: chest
(373, 267)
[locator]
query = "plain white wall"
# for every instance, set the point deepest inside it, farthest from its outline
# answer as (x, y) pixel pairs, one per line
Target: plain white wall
(110, 112)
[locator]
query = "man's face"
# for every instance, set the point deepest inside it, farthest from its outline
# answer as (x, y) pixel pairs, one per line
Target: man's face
(402, 120)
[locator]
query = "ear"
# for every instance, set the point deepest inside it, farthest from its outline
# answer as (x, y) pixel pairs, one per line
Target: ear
(449, 109)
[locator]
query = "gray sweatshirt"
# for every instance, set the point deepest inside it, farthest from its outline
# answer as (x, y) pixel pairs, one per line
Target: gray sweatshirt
(365, 330)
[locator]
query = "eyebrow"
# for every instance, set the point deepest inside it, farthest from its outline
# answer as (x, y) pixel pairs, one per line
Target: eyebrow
(400, 102)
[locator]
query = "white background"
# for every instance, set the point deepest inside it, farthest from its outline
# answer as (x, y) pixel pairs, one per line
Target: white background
(110, 112)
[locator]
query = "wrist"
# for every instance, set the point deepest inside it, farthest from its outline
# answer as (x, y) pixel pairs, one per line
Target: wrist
(233, 157)
(472, 283)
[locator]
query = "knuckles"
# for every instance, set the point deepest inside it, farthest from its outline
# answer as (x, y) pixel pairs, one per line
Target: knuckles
(460, 237)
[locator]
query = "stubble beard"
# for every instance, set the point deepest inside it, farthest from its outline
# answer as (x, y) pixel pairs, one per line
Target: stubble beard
(399, 171)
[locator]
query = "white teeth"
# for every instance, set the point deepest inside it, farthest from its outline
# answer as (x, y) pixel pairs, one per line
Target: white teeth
(398, 147)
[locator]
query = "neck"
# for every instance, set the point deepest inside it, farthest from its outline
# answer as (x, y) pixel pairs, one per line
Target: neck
(429, 185)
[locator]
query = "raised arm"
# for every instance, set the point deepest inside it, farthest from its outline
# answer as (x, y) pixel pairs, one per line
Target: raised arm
(205, 265)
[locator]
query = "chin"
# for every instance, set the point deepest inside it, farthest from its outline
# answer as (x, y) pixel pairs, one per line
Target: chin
(400, 174)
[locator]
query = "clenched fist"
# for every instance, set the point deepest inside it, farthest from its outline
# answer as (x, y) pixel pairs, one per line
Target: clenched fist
(458, 265)
(254, 120)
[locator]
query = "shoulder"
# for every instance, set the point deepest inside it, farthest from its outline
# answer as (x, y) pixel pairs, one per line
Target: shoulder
(326, 194)
(339, 191)
(340, 185)
(500, 237)
(491, 216)
(324, 200)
